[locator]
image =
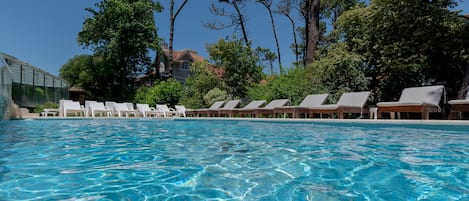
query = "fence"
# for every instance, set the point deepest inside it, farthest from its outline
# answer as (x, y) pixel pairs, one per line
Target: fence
(30, 86)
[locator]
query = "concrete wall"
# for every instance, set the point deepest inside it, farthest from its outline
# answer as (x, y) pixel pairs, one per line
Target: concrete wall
(5, 108)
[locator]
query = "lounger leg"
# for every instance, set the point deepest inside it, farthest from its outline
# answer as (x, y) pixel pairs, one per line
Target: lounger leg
(341, 115)
(426, 115)
(392, 115)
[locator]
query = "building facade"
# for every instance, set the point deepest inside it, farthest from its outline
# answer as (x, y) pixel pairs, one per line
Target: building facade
(27, 86)
(182, 61)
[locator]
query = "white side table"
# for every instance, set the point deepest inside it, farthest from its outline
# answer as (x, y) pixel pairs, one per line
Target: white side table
(48, 111)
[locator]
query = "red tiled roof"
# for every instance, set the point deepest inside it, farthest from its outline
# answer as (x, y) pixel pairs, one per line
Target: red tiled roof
(179, 55)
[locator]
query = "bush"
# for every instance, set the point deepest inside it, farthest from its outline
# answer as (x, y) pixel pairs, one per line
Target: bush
(340, 71)
(214, 95)
(166, 92)
(199, 84)
(40, 108)
(295, 85)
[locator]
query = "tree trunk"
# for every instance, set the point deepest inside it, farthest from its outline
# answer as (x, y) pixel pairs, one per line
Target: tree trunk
(294, 38)
(276, 38)
(241, 23)
(312, 29)
(172, 18)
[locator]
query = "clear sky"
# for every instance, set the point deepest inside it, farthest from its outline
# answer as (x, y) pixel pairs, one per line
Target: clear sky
(44, 33)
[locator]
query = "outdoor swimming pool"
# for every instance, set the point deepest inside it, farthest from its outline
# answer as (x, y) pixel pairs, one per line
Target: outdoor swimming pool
(231, 160)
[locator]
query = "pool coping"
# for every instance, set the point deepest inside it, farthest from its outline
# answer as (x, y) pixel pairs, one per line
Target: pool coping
(358, 121)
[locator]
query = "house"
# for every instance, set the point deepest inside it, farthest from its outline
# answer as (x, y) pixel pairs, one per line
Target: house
(180, 71)
(182, 61)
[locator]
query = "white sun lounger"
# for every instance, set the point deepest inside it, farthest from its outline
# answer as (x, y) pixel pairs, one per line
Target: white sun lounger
(73, 107)
(99, 108)
(181, 110)
(123, 109)
(165, 110)
(146, 111)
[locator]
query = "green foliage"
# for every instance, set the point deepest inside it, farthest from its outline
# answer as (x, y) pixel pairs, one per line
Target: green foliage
(407, 43)
(238, 63)
(40, 108)
(340, 71)
(166, 92)
(295, 85)
(214, 95)
(121, 32)
(141, 96)
(202, 80)
(92, 74)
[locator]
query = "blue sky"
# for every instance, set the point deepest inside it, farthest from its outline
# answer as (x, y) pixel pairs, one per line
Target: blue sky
(43, 33)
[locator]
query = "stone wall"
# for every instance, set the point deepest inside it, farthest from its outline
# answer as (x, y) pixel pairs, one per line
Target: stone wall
(5, 108)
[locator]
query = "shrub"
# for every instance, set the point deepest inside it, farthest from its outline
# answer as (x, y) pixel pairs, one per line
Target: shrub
(166, 92)
(295, 85)
(40, 108)
(214, 95)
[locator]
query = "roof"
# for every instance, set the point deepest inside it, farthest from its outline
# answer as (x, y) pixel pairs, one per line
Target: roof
(179, 55)
(76, 89)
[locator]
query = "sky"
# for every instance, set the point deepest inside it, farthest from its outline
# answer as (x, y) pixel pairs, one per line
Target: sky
(44, 33)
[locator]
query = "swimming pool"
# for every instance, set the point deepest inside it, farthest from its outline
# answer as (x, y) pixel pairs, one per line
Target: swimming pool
(231, 160)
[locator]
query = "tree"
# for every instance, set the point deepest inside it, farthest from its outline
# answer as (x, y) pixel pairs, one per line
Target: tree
(264, 54)
(407, 43)
(284, 7)
(172, 20)
(268, 5)
(310, 10)
(340, 71)
(89, 73)
(238, 64)
(202, 80)
(121, 32)
(237, 18)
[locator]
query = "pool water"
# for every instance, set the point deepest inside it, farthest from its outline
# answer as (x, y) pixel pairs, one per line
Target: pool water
(231, 160)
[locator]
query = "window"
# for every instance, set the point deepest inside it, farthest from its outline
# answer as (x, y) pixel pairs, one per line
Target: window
(186, 65)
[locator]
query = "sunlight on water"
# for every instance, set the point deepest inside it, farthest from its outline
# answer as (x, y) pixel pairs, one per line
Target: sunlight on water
(231, 160)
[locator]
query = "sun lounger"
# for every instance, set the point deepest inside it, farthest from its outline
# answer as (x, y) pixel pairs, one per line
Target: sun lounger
(111, 105)
(165, 110)
(351, 102)
(459, 106)
(61, 107)
(229, 106)
(241, 111)
(415, 99)
(206, 111)
(73, 107)
(122, 109)
(269, 108)
(87, 107)
(314, 100)
(146, 111)
(99, 108)
(181, 110)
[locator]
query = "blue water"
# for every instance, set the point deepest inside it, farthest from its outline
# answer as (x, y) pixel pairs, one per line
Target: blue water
(231, 160)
